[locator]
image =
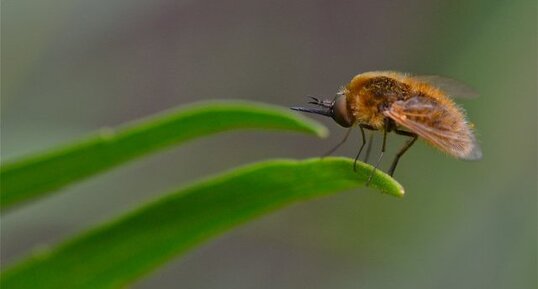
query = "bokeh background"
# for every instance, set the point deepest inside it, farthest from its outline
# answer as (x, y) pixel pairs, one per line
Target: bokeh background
(72, 67)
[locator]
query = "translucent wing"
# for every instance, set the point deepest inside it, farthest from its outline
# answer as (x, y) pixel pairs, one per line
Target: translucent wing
(443, 127)
(453, 88)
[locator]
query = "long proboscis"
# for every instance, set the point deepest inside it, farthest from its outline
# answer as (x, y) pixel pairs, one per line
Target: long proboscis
(325, 112)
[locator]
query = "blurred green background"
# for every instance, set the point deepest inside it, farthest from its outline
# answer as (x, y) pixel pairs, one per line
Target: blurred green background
(71, 67)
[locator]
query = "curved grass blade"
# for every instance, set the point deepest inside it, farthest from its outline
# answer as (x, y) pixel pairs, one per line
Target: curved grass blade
(35, 176)
(117, 253)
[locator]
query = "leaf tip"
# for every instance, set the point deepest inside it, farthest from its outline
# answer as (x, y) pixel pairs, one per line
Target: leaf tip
(400, 192)
(391, 186)
(321, 131)
(312, 126)
(381, 181)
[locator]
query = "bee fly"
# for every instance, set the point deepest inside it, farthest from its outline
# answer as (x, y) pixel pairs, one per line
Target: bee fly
(412, 106)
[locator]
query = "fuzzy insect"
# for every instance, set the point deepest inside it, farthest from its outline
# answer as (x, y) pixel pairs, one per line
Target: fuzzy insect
(413, 106)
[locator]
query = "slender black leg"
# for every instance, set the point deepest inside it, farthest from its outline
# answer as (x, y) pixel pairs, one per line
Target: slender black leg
(360, 150)
(403, 149)
(381, 155)
(338, 145)
(369, 146)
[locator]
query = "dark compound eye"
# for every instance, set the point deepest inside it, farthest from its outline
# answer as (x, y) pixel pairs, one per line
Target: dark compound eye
(340, 112)
(336, 109)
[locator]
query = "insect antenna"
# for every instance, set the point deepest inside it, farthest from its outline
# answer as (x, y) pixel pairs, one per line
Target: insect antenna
(323, 103)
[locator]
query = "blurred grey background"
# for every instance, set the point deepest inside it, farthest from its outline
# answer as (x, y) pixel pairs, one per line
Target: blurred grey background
(72, 67)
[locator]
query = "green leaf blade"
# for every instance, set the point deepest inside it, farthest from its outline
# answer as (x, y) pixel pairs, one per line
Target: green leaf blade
(117, 253)
(39, 175)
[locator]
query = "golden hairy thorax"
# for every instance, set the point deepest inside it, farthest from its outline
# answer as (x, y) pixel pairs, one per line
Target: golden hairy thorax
(369, 94)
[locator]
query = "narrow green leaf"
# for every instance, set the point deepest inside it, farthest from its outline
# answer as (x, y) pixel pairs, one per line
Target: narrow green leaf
(117, 253)
(35, 176)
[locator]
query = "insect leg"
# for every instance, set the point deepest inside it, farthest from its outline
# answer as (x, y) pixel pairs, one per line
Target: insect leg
(382, 152)
(369, 146)
(338, 145)
(403, 149)
(360, 150)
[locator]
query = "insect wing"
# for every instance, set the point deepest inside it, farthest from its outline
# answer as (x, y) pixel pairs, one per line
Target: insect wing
(453, 88)
(442, 127)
